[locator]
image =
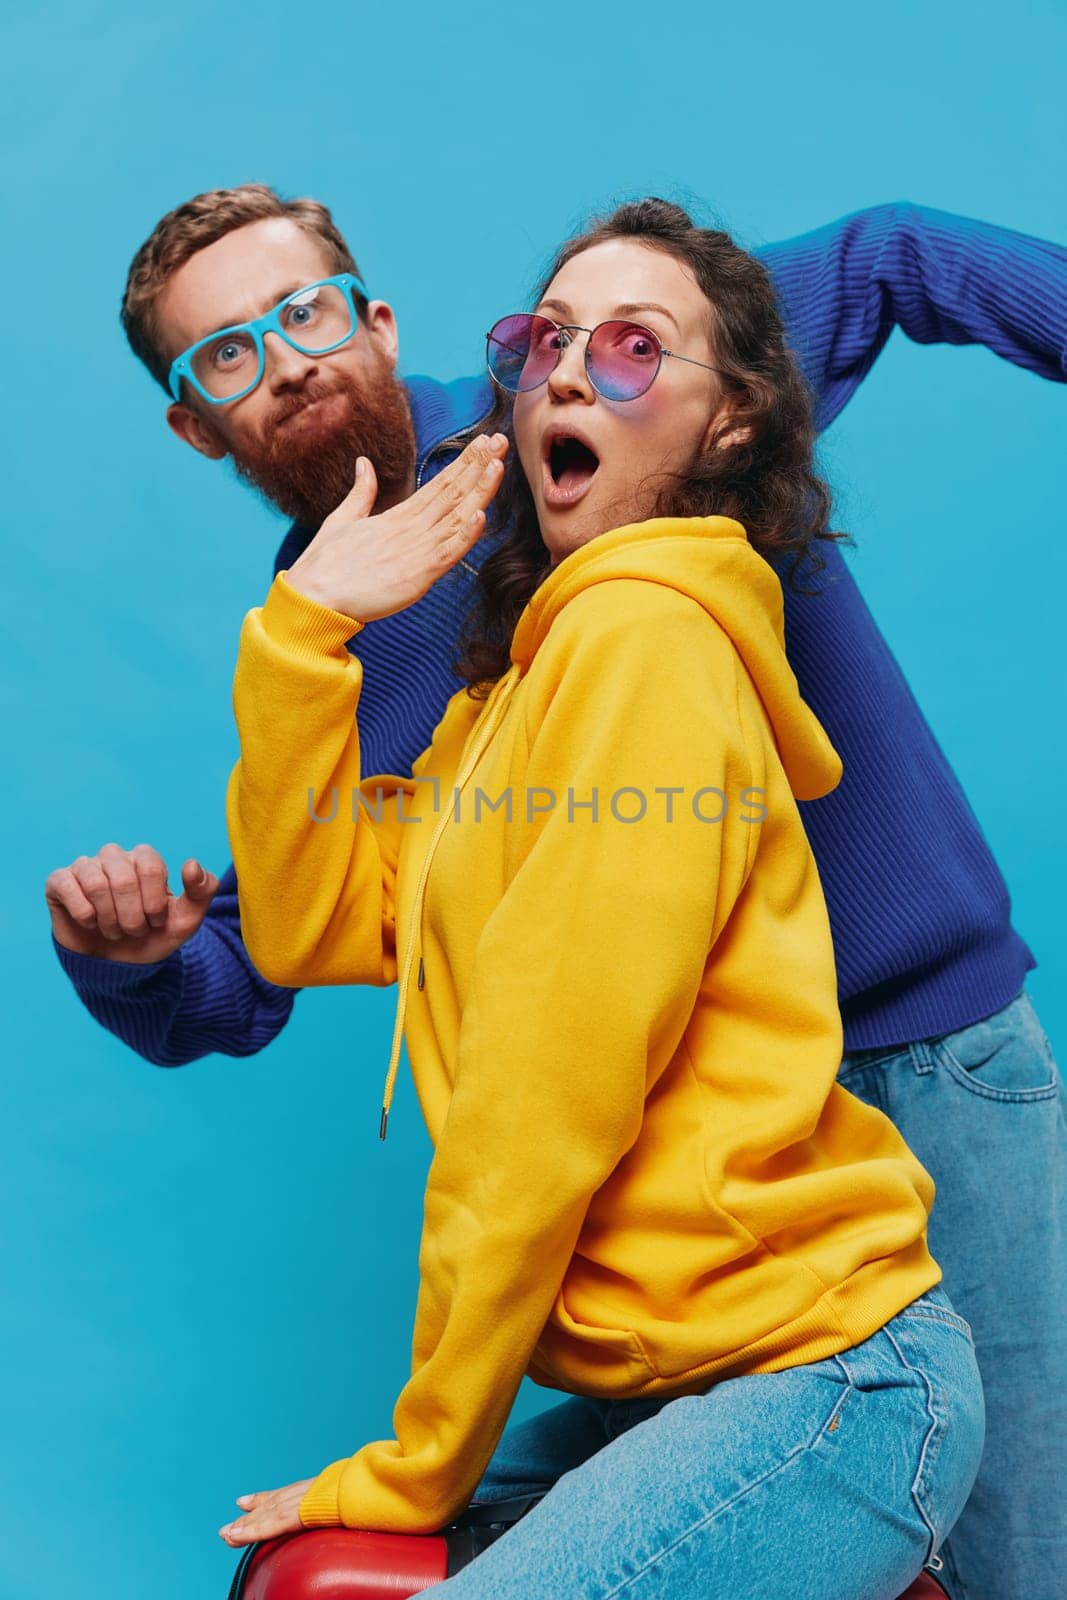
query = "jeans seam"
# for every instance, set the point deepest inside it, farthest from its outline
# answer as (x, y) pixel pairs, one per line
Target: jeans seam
(849, 1379)
(927, 1455)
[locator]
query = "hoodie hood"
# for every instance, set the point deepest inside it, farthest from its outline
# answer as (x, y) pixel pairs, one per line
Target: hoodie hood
(711, 560)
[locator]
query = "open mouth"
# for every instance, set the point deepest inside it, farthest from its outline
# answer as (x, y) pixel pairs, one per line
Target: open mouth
(570, 465)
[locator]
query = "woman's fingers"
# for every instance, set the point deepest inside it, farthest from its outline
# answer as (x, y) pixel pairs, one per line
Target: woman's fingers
(359, 501)
(270, 1512)
(369, 566)
(452, 518)
(459, 519)
(470, 482)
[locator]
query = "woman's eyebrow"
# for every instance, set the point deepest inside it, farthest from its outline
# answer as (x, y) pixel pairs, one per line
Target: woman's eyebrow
(627, 310)
(646, 305)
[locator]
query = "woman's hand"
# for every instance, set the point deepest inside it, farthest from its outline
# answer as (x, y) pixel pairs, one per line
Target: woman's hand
(370, 566)
(267, 1514)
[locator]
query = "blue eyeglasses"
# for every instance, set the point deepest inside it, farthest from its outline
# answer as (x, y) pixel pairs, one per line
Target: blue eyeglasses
(228, 364)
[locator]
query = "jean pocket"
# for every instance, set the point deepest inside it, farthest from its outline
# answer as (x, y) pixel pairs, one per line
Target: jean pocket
(936, 1305)
(1004, 1057)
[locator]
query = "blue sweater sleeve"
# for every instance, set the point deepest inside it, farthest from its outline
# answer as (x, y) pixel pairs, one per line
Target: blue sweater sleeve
(941, 278)
(206, 996)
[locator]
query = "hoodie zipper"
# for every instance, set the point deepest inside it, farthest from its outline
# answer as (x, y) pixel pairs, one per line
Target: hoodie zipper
(467, 765)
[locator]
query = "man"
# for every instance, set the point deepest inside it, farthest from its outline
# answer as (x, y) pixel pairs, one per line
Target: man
(939, 1031)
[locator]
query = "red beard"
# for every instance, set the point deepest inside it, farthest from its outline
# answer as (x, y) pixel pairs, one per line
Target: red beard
(306, 466)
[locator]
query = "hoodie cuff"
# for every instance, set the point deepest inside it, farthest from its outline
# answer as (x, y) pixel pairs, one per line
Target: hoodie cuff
(304, 626)
(320, 1507)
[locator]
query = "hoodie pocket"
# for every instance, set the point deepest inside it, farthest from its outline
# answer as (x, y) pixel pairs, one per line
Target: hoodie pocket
(594, 1357)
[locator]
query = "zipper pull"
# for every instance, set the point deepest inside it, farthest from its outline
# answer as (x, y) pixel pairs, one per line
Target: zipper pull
(421, 981)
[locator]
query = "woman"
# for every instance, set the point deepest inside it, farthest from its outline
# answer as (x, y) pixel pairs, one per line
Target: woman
(616, 977)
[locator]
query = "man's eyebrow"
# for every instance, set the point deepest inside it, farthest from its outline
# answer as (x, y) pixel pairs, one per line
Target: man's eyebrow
(265, 305)
(627, 310)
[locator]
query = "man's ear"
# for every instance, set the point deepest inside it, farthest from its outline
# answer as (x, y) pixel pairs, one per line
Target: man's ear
(196, 431)
(381, 325)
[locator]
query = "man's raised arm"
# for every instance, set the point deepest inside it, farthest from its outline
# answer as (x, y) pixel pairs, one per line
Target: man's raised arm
(942, 278)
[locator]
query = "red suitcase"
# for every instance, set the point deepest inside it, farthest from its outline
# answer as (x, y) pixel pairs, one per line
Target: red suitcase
(349, 1564)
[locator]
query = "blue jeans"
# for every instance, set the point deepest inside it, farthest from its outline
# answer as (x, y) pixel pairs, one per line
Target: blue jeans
(835, 1480)
(984, 1110)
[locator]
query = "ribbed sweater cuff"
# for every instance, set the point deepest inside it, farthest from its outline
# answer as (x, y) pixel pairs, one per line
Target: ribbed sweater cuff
(304, 626)
(102, 976)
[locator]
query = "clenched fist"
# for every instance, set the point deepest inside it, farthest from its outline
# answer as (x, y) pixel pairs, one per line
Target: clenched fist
(117, 904)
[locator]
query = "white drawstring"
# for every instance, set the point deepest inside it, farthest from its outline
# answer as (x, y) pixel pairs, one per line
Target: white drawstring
(467, 766)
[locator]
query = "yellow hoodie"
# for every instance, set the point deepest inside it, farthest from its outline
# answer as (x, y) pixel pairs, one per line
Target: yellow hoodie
(622, 1023)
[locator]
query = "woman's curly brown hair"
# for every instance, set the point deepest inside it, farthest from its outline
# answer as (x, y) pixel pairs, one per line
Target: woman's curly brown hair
(767, 480)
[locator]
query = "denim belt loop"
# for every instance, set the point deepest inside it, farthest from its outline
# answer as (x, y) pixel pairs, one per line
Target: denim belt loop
(923, 1057)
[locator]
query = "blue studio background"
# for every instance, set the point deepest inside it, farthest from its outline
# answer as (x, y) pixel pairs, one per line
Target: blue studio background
(210, 1272)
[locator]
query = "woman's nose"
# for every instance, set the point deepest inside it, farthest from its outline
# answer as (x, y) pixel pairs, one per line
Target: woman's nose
(568, 379)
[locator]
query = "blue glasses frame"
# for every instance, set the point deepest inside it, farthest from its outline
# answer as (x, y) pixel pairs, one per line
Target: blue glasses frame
(269, 322)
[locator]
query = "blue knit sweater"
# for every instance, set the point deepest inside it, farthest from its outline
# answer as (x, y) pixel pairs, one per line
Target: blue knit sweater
(920, 913)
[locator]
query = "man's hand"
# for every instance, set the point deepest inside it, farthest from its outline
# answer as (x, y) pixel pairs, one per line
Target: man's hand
(117, 905)
(267, 1514)
(369, 566)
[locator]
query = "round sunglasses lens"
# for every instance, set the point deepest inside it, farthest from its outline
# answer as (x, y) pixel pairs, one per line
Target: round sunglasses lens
(521, 350)
(622, 359)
